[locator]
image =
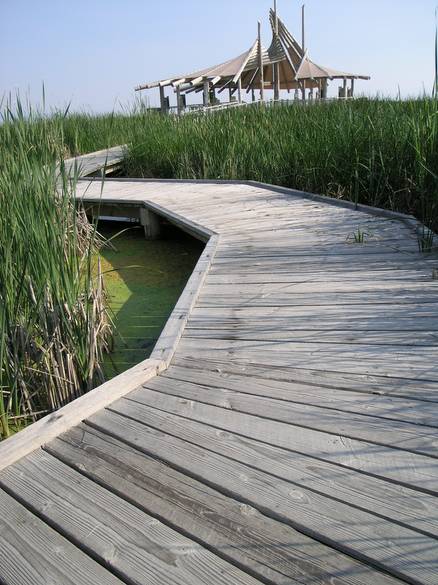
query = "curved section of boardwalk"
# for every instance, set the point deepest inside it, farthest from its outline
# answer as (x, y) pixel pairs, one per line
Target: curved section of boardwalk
(292, 440)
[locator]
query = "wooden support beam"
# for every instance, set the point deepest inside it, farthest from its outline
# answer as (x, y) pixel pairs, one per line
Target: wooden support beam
(227, 84)
(196, 81)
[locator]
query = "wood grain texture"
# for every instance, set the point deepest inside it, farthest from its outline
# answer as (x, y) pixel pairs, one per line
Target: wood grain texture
(343, 527)
(132, 544)
(388, 432)
(403, 467)
(32, 553)
(387, 499)
(369, 403)
(230, 528)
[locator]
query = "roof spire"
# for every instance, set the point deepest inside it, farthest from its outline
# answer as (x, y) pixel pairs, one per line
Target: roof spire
(303, 37)
(276, 17)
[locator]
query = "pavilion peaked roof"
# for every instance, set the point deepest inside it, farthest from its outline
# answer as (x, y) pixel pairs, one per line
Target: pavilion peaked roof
(233, 68)
(285, 65)
(284, 47)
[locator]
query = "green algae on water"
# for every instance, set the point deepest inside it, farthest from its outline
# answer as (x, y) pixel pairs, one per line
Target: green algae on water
(144, 280)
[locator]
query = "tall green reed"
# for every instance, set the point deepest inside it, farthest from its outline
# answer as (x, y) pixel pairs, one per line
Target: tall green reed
(54, 326)
(374, 151)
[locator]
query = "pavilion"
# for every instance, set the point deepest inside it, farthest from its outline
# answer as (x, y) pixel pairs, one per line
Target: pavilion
(285, 65)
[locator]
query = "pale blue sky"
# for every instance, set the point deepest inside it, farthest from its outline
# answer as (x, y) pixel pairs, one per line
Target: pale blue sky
(93, 52)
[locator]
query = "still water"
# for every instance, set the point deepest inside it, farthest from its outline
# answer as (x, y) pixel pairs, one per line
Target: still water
(144, 280)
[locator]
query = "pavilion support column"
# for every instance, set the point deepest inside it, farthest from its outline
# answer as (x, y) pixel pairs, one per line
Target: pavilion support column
(253, 95)
(178, 100)
(163, 100)
(324, 89)
(206, 93)
(352, 88)
(303, 90)
(230, 94)
(276, 81)
(239, 90)
(344, 88)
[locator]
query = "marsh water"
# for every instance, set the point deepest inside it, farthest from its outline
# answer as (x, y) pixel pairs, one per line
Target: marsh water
(144, 280)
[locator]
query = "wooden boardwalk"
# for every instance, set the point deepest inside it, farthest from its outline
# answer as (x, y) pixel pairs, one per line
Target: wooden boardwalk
(103, 161)
(291, 436)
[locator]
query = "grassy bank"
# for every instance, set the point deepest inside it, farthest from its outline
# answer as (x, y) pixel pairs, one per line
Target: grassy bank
(378, 152)
(54, 326)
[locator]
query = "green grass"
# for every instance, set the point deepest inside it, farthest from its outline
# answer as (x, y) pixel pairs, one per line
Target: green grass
(378, 152)
(54, 326)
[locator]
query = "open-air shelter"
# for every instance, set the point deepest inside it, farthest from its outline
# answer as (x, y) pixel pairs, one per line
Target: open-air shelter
(285, 65)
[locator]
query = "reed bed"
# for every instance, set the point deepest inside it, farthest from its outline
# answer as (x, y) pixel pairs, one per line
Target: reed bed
(54, 325)
(374, 151)
(54, 322)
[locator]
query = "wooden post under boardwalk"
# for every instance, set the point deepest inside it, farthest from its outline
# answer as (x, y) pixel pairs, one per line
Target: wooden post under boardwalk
(150, 223)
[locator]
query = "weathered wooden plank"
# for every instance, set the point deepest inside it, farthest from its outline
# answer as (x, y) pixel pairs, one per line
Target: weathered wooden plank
(409, 507)
(416, 471)
(234, 299)
(390, 360)
(236, 531)
(365, 383)
(32, 553)
(343, 527)
(350, 276)
(135, 546)
(371, 403)
(357, 286)
(258, 332)
(288, 314)
(391, 432)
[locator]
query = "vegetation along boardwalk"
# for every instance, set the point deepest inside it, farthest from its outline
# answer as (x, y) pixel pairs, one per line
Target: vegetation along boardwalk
(285, 429)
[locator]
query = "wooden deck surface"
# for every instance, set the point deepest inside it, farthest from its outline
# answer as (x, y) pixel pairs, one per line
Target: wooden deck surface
(292, 440)
(104, 161)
